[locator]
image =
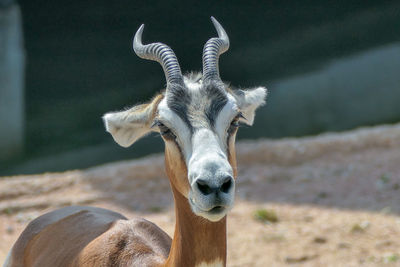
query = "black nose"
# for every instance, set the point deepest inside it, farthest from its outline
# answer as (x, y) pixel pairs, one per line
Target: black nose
(205, 188)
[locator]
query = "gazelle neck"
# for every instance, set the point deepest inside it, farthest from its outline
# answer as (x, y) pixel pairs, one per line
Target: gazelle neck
(197, 241)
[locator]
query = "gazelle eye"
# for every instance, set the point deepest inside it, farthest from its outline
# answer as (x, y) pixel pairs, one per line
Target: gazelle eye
(165, 131)
(234, 124)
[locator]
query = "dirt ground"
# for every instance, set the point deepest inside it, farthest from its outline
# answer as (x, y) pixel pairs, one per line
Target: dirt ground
(330, 200)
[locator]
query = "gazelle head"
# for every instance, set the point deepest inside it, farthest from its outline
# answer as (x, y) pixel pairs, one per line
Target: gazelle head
(198, 117)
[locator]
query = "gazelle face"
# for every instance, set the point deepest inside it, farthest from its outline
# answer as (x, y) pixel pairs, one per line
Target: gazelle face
(199, 123)
(197, 117)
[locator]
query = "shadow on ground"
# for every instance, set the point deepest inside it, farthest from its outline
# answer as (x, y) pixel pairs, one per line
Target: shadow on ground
(357, 170)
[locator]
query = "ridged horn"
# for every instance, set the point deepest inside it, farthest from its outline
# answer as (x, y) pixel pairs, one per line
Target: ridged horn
(211, 52)
(161, 53)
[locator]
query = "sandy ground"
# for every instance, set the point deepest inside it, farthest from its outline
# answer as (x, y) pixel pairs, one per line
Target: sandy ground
(336, 198)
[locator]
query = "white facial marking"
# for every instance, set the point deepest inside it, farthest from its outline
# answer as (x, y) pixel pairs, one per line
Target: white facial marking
(225, 117)
(208, 157)
(176, 124)
(209, 163)
(193, 86)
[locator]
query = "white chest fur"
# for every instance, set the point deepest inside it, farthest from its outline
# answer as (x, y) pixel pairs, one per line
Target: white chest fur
(217, 263)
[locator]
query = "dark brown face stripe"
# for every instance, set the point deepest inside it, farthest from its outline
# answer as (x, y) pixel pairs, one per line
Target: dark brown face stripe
(178, 100)
(218, 101)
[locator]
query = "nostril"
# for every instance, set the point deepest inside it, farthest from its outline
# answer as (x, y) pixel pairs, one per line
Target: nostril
(203, 187)
(226, 186)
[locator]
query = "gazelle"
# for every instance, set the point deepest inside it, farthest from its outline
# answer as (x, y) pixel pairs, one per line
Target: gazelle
(198, 117)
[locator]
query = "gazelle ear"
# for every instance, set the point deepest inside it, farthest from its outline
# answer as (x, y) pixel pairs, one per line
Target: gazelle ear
(128, 126)
(248, 101)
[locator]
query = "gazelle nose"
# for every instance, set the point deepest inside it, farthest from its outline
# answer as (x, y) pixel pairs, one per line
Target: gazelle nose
(206, 188)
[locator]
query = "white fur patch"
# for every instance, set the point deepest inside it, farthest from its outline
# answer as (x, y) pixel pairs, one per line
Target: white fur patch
(176, 124)
(224, 119)
(208, 156)
(192, 85)
(217, 263)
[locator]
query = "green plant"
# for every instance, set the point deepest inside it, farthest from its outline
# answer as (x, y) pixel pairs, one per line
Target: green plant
(265, 216)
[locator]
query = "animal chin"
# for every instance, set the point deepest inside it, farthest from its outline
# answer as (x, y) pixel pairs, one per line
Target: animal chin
(214, 214)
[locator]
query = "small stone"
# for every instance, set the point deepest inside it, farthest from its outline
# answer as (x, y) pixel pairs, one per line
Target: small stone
(300, 259)
(308, 218)
(10, 230)
(320, 240)
(384, 243)
(344, 245)
(365, 224)
(20, 218)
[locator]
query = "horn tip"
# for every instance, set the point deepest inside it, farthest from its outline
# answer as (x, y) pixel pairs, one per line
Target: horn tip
(140, 30)
(220, 30)
(214, 21)
(137, 39)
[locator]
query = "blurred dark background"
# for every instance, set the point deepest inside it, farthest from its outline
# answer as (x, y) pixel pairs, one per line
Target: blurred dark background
(329, 66)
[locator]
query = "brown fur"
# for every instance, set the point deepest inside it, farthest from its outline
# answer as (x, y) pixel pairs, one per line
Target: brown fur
(196, 240)
(87, 236)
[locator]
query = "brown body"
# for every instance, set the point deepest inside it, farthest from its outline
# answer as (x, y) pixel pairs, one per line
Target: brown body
(87, 236)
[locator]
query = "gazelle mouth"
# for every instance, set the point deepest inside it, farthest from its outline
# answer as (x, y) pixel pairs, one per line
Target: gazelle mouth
(213, 214)
(217, 209)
